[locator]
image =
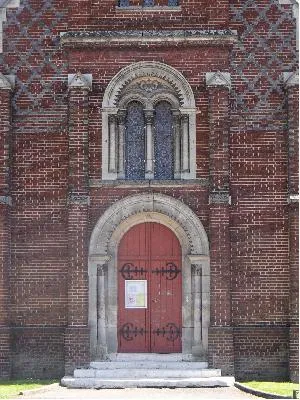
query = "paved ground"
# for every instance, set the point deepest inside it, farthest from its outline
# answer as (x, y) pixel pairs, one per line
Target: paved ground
(61, 393)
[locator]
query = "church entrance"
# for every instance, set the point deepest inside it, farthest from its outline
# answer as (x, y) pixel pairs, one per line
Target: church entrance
(149, 290)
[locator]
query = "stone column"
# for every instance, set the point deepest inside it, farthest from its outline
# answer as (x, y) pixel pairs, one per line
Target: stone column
(77, 333)
(121, 143)
(177, 147)
(149, 144)
(291, 81)
(6, 87)
(221, 351)
(185, 159)
(101, 277)
(113, 144)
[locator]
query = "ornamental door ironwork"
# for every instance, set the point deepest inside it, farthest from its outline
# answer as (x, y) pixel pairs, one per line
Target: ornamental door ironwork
(149, 290)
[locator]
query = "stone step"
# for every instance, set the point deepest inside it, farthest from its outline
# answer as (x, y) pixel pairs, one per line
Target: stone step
(141, 373)
(105, 383)
(148, 364)
(150, 357)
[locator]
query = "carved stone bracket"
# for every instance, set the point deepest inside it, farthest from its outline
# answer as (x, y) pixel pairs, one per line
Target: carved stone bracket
(6, 200)
(291, 79)
(218, 79)
(79, 199)
(293, 198)
(220, 198)
(7, 82)
(80, 81)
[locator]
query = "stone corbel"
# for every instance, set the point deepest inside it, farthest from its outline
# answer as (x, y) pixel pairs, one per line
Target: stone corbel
(218, 79)
(80, 81)
(293, 198)
(6, 200)
(7, 82)
(290, 79)
(220, 197)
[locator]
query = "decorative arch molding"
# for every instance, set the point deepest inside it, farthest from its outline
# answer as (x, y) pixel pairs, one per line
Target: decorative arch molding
(103, 255)
(145, 69)
(172, 87)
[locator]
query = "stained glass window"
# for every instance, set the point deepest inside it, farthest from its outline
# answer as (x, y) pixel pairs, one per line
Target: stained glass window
(135, 142)
(163, 141)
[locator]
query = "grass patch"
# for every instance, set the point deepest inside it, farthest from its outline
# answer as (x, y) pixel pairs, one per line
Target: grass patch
(11, 388)
(282, 388)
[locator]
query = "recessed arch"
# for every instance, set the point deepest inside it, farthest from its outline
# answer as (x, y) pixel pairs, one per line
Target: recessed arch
(105, 239)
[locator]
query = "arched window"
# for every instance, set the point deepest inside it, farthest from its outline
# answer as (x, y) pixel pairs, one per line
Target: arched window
(148, 125)
(164, 148)
(135, 142)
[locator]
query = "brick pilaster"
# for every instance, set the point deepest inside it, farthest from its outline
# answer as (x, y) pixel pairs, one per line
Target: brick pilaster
(6, 86)
(292, 93)
(221, 352)
(77, 337)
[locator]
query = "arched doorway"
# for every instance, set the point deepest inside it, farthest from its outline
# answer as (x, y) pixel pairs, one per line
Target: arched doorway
(149, 290)
(103, 270)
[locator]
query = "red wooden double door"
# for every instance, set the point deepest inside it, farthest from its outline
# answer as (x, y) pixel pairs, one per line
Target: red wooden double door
(149, 290)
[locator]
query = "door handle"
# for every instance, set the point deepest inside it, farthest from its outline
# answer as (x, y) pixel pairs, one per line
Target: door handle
(154, 300)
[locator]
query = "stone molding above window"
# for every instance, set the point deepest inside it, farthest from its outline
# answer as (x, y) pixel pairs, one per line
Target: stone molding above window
(148, 5)
(148, 84)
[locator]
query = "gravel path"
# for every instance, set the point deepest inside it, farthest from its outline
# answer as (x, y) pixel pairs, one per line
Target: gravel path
(56, 392)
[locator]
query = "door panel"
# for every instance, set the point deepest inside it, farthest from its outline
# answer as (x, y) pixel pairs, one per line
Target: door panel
(150, 254)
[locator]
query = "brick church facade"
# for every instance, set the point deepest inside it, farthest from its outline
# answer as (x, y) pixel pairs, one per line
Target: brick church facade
(149, 184)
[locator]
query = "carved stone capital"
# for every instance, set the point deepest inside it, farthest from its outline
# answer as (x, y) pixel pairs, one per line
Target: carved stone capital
(121, 116)
(80, 199)
(149, 116)
(291, 79)
(7, 82)
(293, 198)
(196, 269)
(219, 198)
(6, 200)
(101, 269)
(80, 81)
(218, 79)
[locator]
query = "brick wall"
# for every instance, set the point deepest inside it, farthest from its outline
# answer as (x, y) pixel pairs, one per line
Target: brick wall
(258, 217)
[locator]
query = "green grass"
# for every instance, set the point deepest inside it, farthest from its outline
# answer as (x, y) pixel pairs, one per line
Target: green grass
(282, 388)
(10, 389)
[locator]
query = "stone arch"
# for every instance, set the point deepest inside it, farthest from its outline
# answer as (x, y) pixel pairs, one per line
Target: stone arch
(103, 250)
(176, 89)
(149, 69)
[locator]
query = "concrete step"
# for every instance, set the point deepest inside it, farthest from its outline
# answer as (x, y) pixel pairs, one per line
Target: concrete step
(146, 373)
(148, 364)
(105, 383)
(151, 357)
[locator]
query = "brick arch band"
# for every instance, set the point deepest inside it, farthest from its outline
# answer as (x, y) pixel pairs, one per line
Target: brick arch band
(103, 252)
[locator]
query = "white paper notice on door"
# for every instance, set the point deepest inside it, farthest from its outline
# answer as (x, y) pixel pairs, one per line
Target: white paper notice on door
(136, 294)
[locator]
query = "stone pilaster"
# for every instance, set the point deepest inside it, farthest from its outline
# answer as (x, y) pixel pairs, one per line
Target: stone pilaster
(221, 351)
(77, 335)
(291, 81)
(6, 86)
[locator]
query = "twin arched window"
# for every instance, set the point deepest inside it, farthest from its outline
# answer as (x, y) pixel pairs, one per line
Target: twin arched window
(149, 143)
(148, 125)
